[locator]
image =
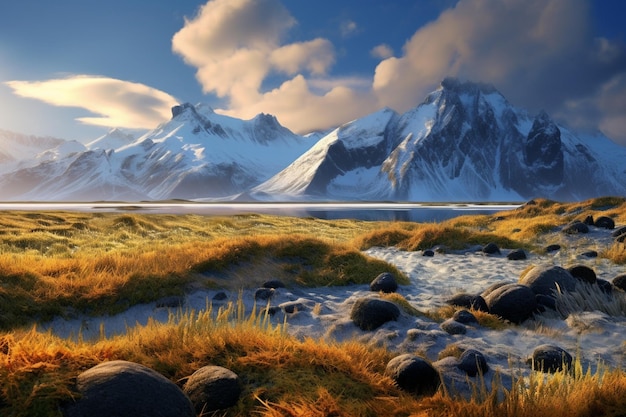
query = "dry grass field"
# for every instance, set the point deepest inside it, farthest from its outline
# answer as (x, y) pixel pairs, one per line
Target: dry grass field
(60, 263)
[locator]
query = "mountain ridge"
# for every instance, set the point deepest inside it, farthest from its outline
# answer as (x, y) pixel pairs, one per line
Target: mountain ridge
(464, 142)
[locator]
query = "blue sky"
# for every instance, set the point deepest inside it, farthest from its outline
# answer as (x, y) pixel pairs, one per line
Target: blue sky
(75, 68)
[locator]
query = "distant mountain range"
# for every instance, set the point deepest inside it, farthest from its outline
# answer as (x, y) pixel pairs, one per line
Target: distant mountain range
(465, 142)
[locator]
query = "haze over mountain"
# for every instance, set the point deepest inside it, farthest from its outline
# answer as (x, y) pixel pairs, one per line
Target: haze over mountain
(465, 142)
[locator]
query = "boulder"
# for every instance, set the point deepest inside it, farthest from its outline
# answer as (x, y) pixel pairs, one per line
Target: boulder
(213, 388)
(583, 273)
(517, 255)
(588, 220)
(465, 317)
(472, 362)
(429, 253)
(545, 302)
(621, 238)
(545, 280)
(491, 249)
(220, 296)
(493, 287)
(452, 326)
(512, 302)
(550, 359)
(476, 302)
(263, 294)
(273, 283)
(605, 286)
(291, 307)
(371, 313)
(576, 228)
(590, 254)
(620, 282)
(605, 222)
(413, 374)
(127, 389)
(619, 232)
(384, 282)
(553, 248)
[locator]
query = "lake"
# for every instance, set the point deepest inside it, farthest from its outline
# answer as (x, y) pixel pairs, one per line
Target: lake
(416, 212)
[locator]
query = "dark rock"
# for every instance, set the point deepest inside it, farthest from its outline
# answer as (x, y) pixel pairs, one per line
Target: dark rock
(605, 222)
(270, 311)
(590, 254)
(292, 307)
(429, 253)
(583, 273)
(545, 280)
(589, 220)
(605, 286)
(384, 282)
(619, 232)
(517, 255)
(545, 302)
(173, 301)
(220, 296)
(413, 374)
(621, 238)
(127, 389)
(512, 302)
(553, 248)
(465, 317)
(550, 359)
(576, 228)
(620, 282)
(476, 302)
(472, 362)
(493, 287)
(491, 249)
(273, 283)
(263, 294)
(213, 388)
(371, 313)
(543, 151)
(452, 326)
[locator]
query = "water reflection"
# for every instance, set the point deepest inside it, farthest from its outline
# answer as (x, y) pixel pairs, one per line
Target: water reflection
(331, 211)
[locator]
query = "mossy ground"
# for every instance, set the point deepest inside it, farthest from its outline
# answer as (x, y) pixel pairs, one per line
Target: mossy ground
(103, 263)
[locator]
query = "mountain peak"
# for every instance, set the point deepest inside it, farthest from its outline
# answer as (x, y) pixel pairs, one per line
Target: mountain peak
(200, 108)
(466, 87)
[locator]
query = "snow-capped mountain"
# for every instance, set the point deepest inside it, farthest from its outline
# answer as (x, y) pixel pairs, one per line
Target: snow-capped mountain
(18, 150)
(197, 154)
(465, 142)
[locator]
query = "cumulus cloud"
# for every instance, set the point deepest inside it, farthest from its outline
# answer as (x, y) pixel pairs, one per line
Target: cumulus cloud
(237, 44)
(118, 103)
(540, 54)
(382, 51)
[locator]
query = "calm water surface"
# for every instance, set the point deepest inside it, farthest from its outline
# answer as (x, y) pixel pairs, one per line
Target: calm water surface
(361, 211)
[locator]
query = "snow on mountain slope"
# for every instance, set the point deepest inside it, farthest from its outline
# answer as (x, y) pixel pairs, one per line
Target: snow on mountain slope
(197, 154)
(465, 142)
(113, 139)
(350, 149)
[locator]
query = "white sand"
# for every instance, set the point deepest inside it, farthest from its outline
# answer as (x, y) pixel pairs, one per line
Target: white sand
(590, 336)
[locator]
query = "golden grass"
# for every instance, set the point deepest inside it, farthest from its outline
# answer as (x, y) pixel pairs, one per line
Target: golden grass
(113, 261)
(101, 263)
(281, 375)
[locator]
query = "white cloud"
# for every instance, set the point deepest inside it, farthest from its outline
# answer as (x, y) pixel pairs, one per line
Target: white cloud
(118, 103)
(540, 54)
(348, 28)
(237, 44)
(382, 51)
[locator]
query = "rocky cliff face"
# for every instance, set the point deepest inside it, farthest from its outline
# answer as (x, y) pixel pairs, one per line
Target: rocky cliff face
(465, 142)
